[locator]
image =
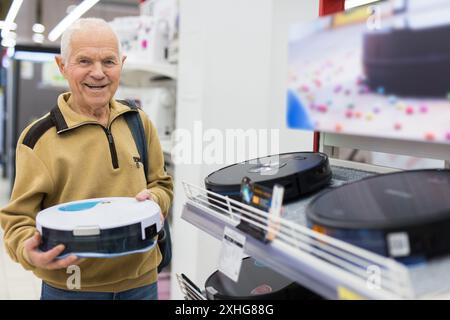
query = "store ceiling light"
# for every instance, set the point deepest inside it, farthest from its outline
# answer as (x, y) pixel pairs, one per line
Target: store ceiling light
(10, 17)
(38, 28)
(76, 13)
(8, 42)
(13, 25)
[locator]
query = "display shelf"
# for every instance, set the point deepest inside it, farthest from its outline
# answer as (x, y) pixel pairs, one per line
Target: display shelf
(150, 70)
(330, 267)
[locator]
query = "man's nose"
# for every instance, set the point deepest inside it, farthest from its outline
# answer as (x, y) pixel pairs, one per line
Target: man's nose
(97, 71)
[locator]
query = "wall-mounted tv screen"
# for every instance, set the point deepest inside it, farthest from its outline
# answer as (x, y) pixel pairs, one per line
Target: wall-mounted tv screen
(381, 70)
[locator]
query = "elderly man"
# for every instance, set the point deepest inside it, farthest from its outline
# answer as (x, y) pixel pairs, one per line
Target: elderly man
(84, 149)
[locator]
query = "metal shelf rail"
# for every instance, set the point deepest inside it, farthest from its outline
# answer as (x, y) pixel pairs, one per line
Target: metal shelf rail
(188, 290)
(330, 267)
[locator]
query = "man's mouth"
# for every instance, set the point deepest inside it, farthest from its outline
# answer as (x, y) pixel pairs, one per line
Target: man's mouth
(95, 87)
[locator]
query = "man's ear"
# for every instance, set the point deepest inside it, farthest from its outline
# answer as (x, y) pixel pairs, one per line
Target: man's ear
(123, 59)
(60, 63)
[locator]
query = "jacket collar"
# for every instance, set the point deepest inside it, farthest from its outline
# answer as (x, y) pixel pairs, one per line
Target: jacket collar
(65, 118)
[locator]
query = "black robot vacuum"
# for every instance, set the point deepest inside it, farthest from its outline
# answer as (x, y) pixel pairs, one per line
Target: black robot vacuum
(408, 61)
(256, 282)
(300, 173)
(403, 215)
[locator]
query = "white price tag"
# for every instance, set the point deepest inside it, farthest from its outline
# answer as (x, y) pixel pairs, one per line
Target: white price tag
(398, 244)
(231, 253)
(275, 212)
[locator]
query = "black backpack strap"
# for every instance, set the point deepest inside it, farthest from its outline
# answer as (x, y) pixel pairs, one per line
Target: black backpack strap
(137, 130)
(134, 122)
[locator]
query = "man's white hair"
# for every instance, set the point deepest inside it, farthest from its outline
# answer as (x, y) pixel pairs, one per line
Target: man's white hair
(84, 23)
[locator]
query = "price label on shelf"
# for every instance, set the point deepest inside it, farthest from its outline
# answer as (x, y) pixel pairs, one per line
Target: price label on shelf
(232, 253)
(275, 212)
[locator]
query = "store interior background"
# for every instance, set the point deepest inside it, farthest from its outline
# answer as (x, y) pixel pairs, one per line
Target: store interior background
(229, 73)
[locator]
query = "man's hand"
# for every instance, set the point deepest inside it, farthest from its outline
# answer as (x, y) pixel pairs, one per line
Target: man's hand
(47, 260)
(147, 195)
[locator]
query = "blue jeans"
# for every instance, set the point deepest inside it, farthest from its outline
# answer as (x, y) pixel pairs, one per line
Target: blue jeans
(149, 292)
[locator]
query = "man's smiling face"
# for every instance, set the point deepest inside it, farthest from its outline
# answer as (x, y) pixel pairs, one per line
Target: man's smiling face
(93, 67)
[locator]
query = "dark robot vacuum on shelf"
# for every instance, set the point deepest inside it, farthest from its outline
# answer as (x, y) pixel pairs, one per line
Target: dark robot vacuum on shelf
(256, 282)
(408, 61)
(300, 173)
(404, 215)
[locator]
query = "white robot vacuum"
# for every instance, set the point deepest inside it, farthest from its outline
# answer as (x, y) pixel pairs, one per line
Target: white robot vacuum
(103, 227)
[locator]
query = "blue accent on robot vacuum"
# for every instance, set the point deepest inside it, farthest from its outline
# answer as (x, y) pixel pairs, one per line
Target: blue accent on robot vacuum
(79, 206)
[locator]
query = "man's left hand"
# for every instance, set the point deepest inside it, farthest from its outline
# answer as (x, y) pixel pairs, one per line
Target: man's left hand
(147, 195)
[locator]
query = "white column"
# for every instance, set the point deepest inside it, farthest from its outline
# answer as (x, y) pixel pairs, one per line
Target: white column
(232, 73)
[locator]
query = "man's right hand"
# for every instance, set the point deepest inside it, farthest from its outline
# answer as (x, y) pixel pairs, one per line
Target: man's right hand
(47, 260)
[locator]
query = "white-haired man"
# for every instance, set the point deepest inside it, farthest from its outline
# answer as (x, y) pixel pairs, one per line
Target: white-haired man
(84, 149)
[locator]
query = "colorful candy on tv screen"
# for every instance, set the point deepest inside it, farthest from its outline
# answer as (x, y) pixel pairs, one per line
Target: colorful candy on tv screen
(381, 70)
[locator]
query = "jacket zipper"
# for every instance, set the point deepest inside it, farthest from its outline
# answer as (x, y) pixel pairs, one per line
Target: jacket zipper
(112, 148)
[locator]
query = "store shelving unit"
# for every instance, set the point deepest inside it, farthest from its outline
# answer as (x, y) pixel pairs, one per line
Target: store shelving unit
(141, 74)
(327, 266)
(150, 69)
(291, 252)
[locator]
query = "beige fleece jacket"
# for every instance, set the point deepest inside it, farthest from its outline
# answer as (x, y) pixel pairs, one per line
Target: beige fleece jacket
(80, 159)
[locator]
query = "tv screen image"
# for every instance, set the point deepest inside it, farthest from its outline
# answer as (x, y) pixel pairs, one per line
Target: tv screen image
(380, 70)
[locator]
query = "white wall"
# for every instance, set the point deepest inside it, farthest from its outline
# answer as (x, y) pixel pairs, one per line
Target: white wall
(232, 74)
